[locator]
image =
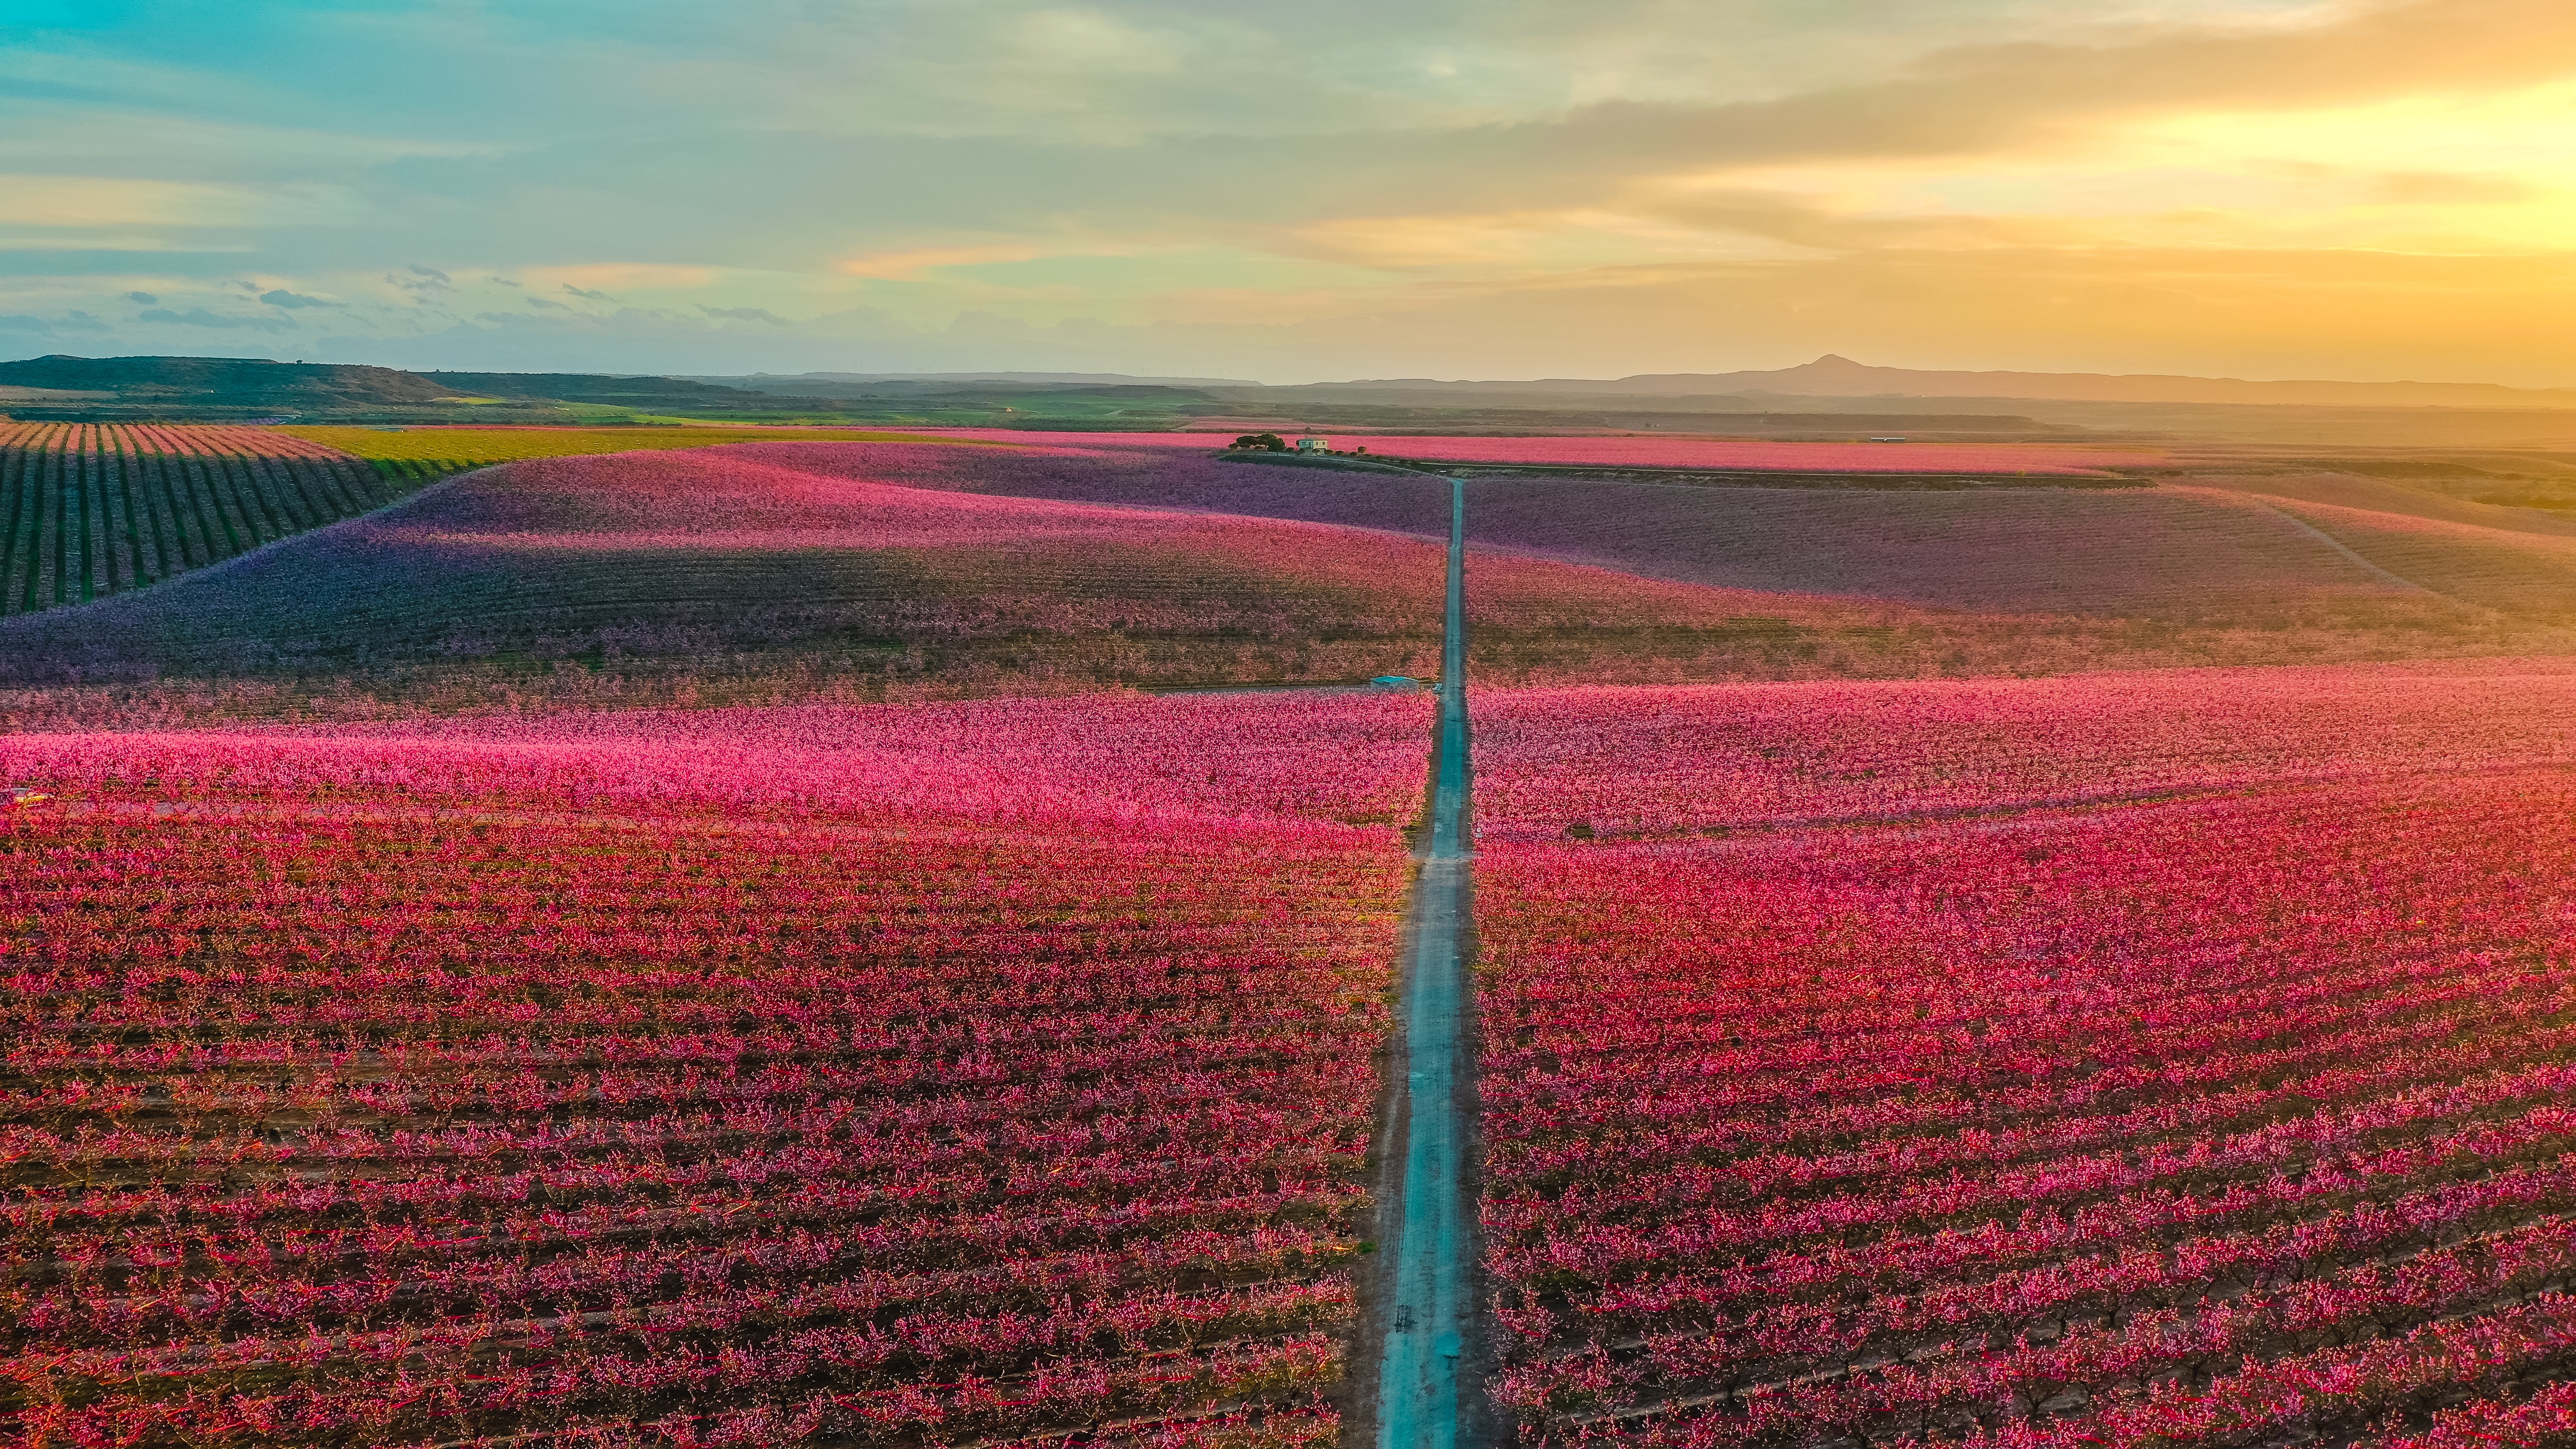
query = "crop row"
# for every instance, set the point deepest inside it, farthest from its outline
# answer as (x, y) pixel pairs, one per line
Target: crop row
(90, 510)
(351, 1098)
(2222, 1121)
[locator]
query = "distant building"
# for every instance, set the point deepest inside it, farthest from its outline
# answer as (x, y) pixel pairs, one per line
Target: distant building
(1313, 445)
(1887, 440)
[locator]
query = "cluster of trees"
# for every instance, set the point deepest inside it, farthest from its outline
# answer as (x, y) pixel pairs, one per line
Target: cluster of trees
(1269, 443)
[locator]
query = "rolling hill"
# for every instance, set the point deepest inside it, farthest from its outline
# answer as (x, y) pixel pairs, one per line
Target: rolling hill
(792, 571)
(1835, 376)
(111, 389)
(229, 382)
(1831, 397)
(2209, 549)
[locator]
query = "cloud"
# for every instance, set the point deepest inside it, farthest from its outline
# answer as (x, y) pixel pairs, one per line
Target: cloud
(200, 317)
(95, 201)
(1148, 170)
(1975, 98)
(2286, 313)
(2441, 188)
(423, 282)
(24, 323)
(79, 321)
(909, 265)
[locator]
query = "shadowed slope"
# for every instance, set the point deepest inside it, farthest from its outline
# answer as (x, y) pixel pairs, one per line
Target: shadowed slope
(2160, 553)
(2380, 495)
(672, 572)
(2157, 552)
(787, 572)
(719, 577)
(2517, 573)
(2026, 580)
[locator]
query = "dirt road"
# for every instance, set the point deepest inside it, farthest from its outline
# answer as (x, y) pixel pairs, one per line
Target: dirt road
(1425, 1391)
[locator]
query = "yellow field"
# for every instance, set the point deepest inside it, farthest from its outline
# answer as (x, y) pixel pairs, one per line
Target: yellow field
(469, 447)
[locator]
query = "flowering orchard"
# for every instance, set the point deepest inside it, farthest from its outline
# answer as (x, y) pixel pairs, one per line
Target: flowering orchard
(1678, 761)
(2244, 1116)
(768, 1078)
(88, 510)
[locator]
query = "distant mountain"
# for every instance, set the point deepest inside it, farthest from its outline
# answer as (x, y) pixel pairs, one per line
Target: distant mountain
(979, 393)
(1831, 395)
(802, 383)
(634, 392)
(226, 381)
(83, 389)
(218, 386)
(1832, 376)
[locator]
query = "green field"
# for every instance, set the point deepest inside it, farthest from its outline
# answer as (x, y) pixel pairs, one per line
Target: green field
(447, 450)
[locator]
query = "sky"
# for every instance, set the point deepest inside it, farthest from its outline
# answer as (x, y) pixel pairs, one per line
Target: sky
(1327, 190)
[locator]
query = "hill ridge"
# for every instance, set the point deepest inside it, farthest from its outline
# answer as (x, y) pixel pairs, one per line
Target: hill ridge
(1833, 375)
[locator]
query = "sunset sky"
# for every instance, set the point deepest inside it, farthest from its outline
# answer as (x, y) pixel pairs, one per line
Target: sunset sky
(1331, 189)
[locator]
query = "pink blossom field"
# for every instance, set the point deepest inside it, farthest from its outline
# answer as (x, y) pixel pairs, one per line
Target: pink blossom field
(2042, 459)
(782, 572)
(1655, 763)
(721, 948)
(2171, 1059)
(2175, 574)
(901, 1074)
(681, 571)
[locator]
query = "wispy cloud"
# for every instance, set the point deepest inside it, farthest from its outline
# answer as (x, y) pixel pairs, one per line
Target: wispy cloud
(75, 321)
(200, 317)
(1341, 189)
(913, 263)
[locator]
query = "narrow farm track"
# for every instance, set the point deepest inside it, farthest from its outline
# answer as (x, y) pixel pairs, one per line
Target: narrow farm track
(2340, 547)
(1424, 1399)
(92, 510)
